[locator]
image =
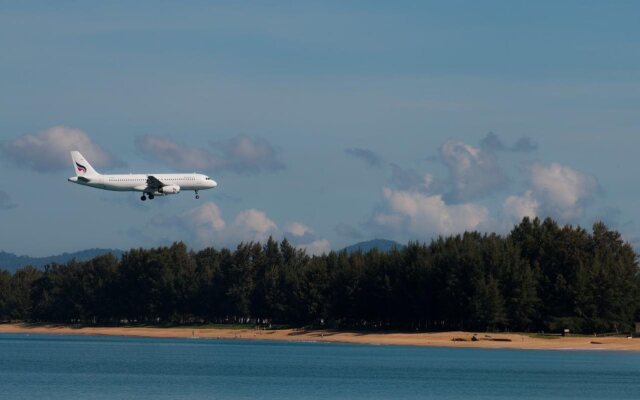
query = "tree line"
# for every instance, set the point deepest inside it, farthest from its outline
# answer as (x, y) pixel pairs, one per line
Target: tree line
(540, 277)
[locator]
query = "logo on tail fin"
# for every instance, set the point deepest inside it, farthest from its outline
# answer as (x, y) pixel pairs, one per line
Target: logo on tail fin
(81, 168)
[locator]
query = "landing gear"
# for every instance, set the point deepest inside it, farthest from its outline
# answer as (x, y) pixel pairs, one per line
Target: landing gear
(151, 197)
(143, 198)
(197, 195)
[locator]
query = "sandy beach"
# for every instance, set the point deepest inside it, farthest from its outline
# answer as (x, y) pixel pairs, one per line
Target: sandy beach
(440, 339)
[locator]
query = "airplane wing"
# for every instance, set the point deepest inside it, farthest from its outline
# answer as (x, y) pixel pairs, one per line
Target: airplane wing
(154, 183)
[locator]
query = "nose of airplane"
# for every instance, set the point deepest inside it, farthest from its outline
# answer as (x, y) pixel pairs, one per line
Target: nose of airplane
(213, 183)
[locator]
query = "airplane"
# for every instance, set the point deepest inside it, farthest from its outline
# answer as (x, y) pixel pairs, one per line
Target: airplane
(150, 185)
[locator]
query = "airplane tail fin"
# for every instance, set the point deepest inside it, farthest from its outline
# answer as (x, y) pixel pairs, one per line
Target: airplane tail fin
(81, 165)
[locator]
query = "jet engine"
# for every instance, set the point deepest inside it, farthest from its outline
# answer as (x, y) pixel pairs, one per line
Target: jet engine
(169, 189)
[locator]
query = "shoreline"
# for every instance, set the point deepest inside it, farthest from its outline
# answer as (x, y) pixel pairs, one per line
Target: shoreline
(438, 339)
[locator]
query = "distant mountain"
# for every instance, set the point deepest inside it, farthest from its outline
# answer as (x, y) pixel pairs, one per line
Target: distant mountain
(12, 262)
(382, 245)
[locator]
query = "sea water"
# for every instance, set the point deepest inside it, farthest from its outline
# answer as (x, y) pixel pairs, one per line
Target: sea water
(100, 367)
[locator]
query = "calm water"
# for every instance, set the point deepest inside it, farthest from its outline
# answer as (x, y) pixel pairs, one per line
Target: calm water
(81, 367)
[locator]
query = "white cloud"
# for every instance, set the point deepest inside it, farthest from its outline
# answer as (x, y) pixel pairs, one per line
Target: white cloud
(298, 229)
(302, 237)
(420, 216)
(253, 225)
(241, 154)
(206, 222)
(317, 247)
(561, 190)
(48, 150)
(518, 207)
(208, 228)
(419, 206)
(474, 173)
(555, 190)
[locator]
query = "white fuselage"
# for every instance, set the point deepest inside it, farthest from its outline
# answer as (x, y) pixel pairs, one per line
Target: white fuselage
(150, 185)
(139, 182)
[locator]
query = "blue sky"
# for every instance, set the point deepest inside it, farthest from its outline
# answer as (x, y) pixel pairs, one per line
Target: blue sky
(327, 123)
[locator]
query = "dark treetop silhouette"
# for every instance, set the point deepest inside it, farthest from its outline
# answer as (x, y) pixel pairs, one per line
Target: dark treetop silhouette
(541, 276)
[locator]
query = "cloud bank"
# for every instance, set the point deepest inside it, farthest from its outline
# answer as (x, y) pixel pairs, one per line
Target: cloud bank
(241, 154)
(473, 172)
(208, 228)
(417, 215)
(48, 150)
(304, 238)
(518, 207)
(561, 190)
(417, 205)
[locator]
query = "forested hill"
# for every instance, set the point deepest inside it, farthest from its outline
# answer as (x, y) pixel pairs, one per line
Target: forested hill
(539, 277)
(12, 262)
